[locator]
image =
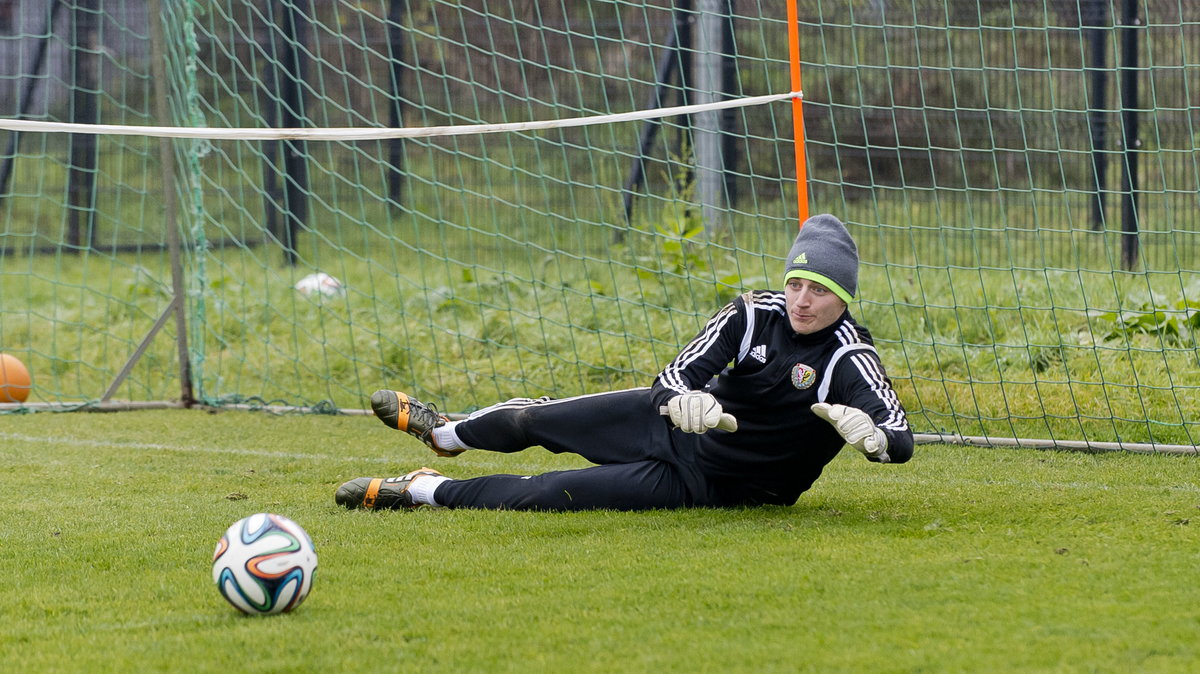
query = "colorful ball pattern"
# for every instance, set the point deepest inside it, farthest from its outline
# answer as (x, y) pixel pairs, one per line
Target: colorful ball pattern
(264, 564)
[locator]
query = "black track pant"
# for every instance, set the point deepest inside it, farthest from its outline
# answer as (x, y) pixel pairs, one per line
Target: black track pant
(638, 452)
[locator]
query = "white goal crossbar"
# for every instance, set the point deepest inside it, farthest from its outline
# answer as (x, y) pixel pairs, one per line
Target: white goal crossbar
(372, 133)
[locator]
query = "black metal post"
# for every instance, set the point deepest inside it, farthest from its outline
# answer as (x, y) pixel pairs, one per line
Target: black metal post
(294, 29)
(269, 84)
(1094, 13)
(272, 195)
(676, 57)
(395, 34)
(1130, 28)
(685, 22)
(685, 31)
(81, 176)
(668, 62)
(26, 99)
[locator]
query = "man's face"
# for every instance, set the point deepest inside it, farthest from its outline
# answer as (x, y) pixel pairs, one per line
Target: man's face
(811, 306)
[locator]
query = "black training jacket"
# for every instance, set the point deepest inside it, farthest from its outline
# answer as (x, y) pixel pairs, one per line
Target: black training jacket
(769, 376)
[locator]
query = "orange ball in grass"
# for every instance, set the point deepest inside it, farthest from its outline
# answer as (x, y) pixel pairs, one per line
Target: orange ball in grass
(15, 383)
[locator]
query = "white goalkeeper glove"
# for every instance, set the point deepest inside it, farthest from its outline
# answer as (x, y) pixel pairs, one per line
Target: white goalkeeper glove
(856, 428)
(697, 412)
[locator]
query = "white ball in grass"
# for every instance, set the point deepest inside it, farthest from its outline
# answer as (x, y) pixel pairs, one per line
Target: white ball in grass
(264, 564)
(320, 283)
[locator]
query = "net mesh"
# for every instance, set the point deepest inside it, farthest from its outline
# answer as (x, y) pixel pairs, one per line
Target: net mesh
(1022, 183)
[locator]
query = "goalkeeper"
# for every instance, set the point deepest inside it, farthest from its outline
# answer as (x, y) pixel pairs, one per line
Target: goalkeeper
(748, 413)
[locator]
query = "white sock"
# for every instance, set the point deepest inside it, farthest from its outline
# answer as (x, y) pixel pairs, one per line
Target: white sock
(445, 437)
(423, 487)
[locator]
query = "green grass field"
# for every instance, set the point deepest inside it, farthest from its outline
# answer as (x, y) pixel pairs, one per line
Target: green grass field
(965, 559)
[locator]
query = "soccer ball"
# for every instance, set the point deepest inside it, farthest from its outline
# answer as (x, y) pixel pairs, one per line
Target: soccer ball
(264, 564)
(320, 283)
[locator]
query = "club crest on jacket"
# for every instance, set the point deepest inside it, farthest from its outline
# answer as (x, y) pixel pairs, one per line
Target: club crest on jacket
(803, 376)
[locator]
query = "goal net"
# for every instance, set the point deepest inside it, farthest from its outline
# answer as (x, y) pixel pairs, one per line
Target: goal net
(549, 198)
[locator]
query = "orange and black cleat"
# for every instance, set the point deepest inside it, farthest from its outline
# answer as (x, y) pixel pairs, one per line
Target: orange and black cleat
(404, 413)
(380, 493)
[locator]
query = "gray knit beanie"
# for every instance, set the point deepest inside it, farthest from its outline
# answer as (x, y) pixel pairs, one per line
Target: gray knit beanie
(825, 253)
